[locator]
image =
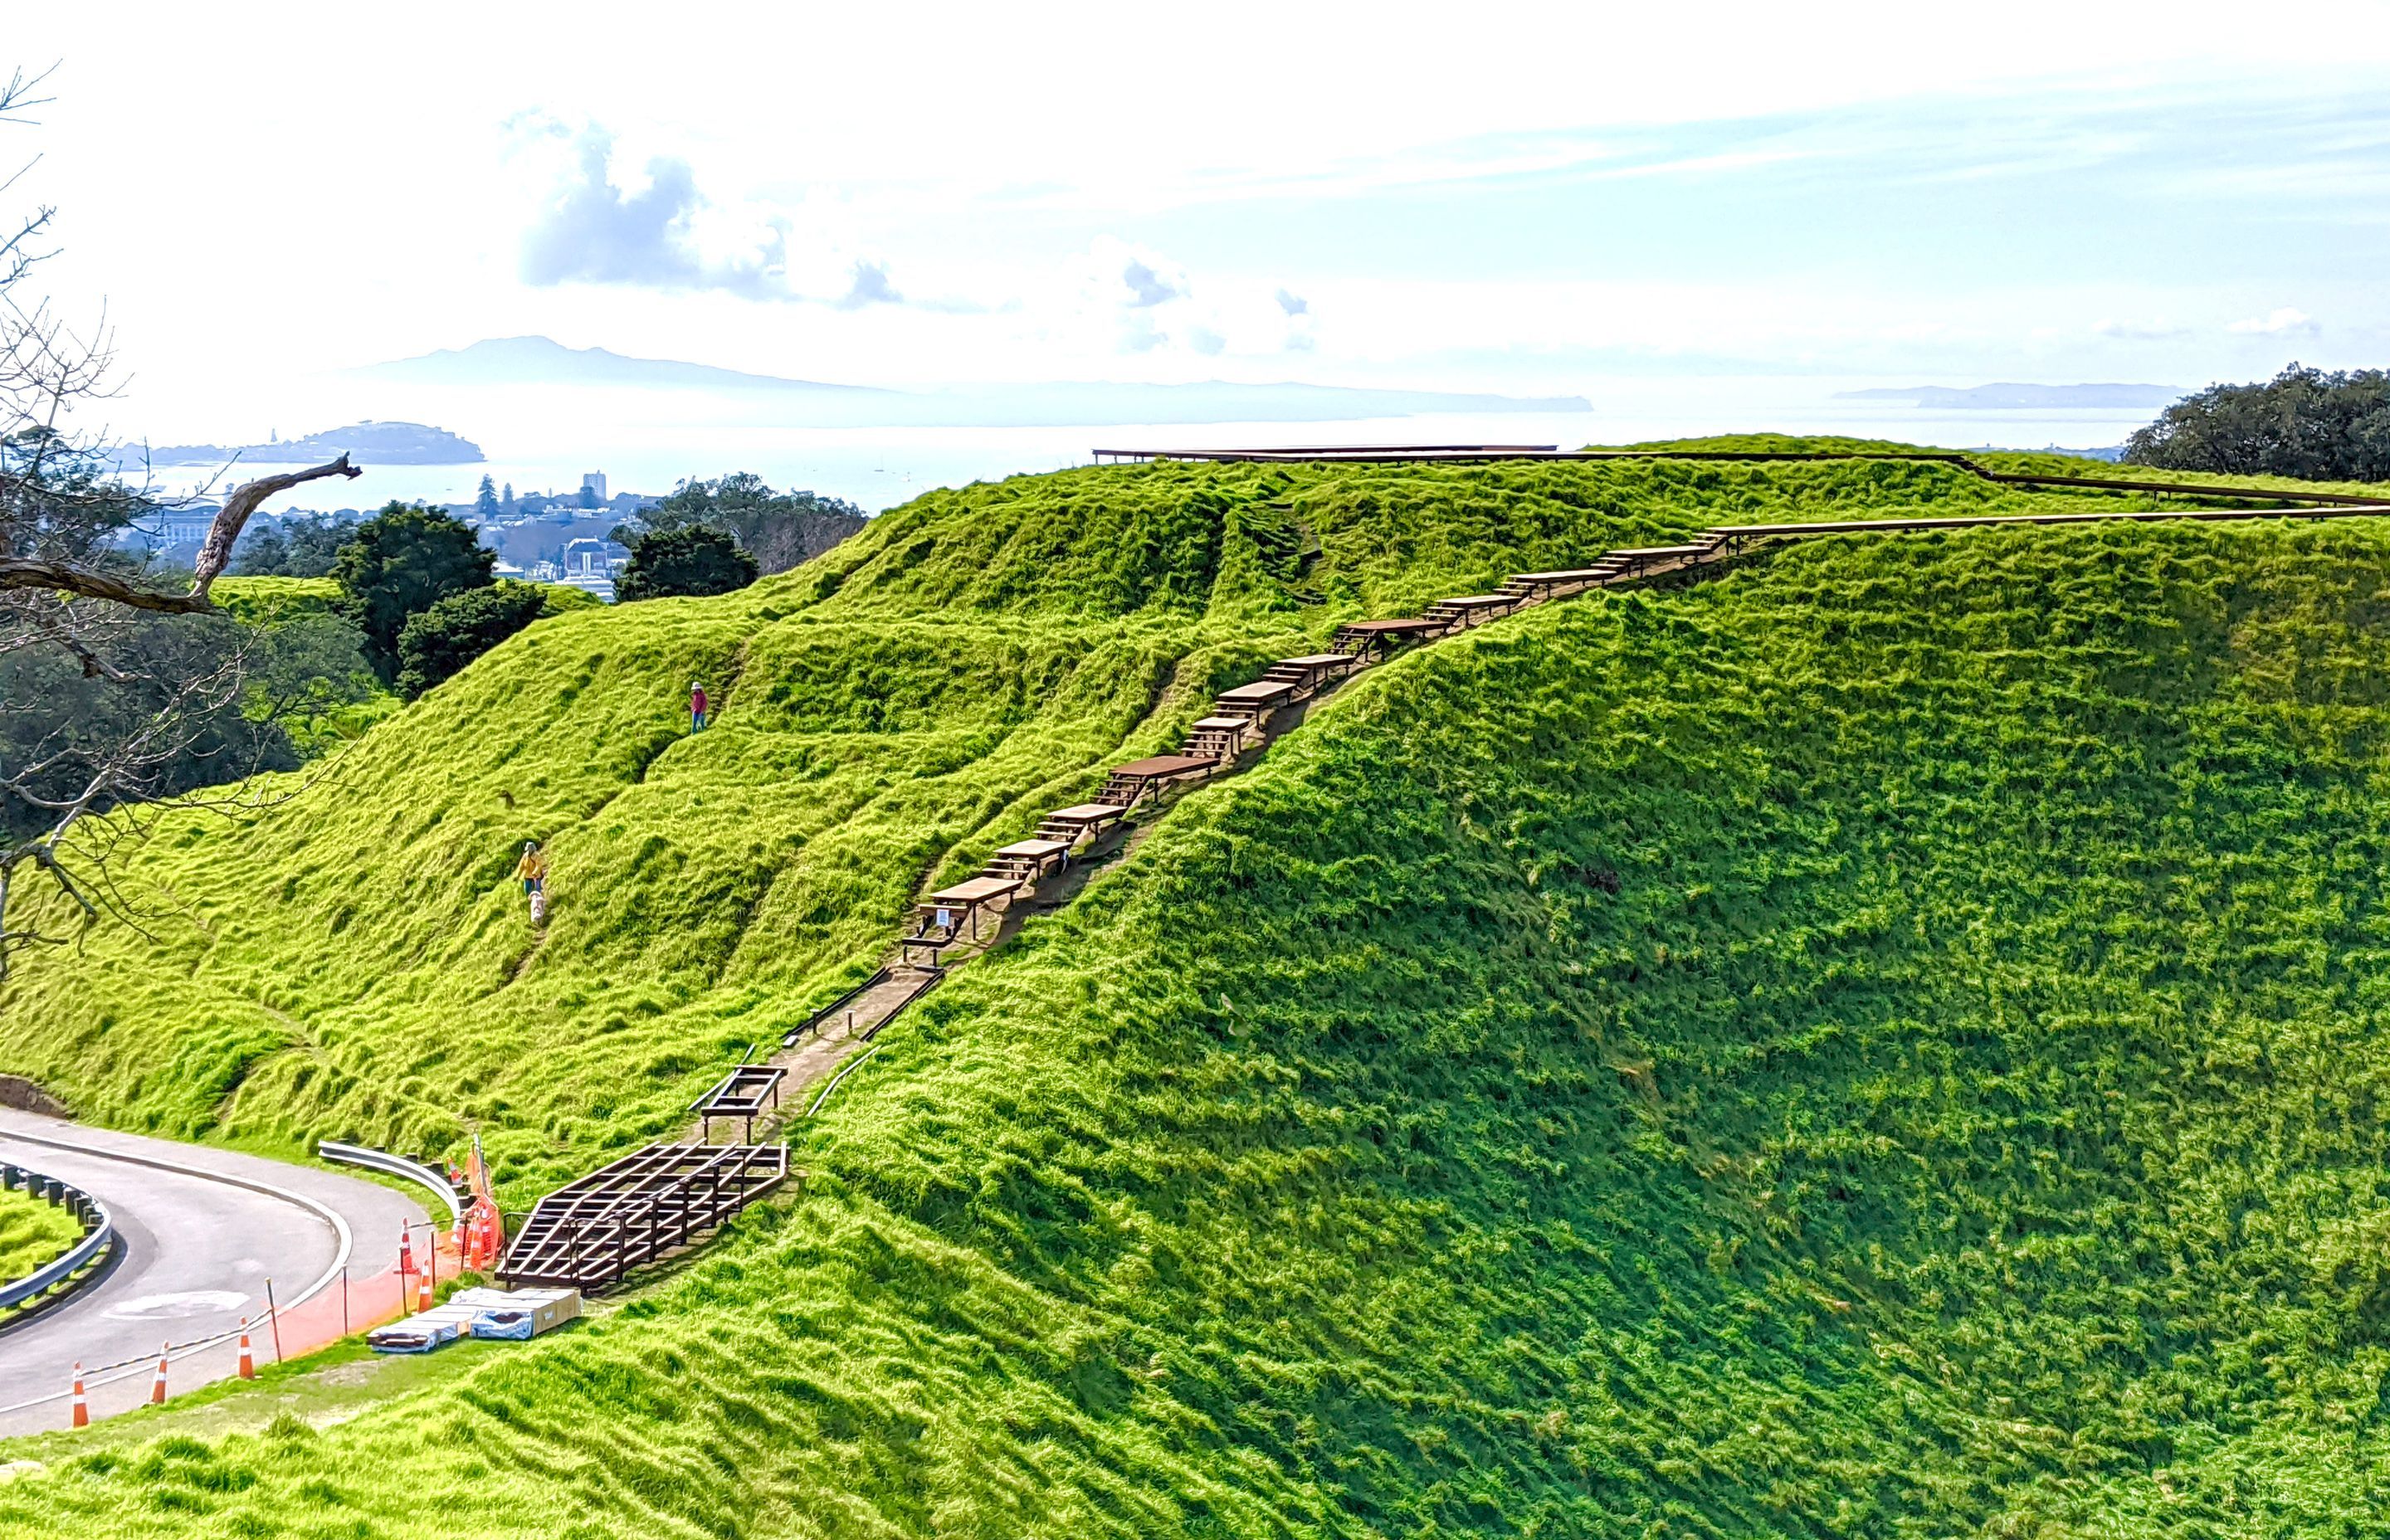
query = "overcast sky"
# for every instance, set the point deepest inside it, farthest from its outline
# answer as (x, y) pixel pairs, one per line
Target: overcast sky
(1466, 195)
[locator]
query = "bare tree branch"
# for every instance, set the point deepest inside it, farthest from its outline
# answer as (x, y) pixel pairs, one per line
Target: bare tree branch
(66, 577)
(240, 505)
(169, 689)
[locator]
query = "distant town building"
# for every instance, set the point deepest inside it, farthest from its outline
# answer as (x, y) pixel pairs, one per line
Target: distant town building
(593, 487)
(591, 565)
(185, 526)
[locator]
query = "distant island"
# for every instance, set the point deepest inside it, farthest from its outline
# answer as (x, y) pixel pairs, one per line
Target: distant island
(2011, 397)
(528, 361)
(543, 361)
(369, 443)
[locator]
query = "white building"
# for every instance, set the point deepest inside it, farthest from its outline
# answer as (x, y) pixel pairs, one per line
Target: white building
(591, 565)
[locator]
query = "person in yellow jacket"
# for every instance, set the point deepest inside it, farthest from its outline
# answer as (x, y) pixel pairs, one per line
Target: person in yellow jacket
(533, 868)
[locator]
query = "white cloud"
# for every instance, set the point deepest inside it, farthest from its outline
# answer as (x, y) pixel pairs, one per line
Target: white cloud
(1148, 288)
(957, 234)
(2281, 321)
(871, 288)
(599, 221)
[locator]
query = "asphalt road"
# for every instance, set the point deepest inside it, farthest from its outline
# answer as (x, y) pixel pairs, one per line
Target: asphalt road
(195, 1251)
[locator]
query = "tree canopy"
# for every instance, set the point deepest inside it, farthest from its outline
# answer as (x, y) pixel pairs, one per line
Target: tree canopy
(2326, 426)
(779, 529)
(302, 545)
(399, 563)
(694, 559)
(440, 640)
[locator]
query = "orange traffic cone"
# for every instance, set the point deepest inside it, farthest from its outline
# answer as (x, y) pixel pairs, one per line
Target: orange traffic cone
(82, 1407)
(423, 1292)
(405, 1264)
(247, 1364)
(158, 1386)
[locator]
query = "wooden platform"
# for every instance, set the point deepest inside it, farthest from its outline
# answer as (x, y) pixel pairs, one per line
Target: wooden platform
(1641, 558)
(1361, 638)
(949, 909)
(1254, 701)
(1028, 860)
(1131, 783)
(741, 1094)
(1469, 609)
(589, 1232)
(1544, 586)
(1220, 738)
(1309, 673)
(977, 890)
(1087, 820)
(1573, 574)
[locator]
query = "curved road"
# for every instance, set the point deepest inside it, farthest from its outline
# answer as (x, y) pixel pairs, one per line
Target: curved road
(195, 1249)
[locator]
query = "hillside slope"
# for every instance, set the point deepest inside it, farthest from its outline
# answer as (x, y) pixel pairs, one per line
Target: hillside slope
(353, 961)
(1886, 1043)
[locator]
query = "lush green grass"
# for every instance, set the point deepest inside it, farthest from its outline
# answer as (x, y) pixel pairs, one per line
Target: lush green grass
(272, 600)
(1946, 1125)
(32, 1234)
(1886, 1043)
(357, 962)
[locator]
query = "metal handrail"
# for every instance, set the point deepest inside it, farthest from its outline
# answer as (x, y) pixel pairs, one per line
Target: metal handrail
(394, 1165)
(99, 1234)
(812, 1023)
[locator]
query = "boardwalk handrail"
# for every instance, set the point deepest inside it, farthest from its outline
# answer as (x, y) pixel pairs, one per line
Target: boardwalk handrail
(812, 1023)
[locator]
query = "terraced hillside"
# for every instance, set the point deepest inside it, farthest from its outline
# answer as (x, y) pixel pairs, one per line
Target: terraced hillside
(357, 963)
(1884, 1042)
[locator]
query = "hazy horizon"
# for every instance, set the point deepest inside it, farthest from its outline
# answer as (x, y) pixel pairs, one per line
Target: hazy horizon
(1552, 202)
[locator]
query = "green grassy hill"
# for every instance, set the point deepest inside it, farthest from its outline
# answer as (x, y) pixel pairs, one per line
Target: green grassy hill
(32, 1234)
(357, 963)
(1885, 1041)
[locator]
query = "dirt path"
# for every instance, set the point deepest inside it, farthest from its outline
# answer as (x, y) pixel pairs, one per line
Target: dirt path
(813, 1056)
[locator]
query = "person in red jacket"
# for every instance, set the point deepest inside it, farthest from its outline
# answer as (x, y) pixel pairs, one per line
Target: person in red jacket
(696, 708)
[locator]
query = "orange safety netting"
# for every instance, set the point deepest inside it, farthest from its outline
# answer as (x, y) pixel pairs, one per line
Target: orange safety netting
(358, 1302)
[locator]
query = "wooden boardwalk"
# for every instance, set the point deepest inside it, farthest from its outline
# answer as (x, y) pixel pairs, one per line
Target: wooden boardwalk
(590, 1231)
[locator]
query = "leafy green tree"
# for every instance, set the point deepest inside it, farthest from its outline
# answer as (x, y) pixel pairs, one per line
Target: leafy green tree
(300, 545)
(400, 564)
(779, 528)
(486, 501)
(690, 560)
(506, 499)
(2331, 426)
(308, 674)
(443, 639)
(64, 727)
